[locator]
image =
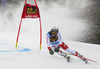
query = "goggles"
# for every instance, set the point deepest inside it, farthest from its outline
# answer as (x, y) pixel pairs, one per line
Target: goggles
(54, 32)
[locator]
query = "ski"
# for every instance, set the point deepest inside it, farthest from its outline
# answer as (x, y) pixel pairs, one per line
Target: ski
(86, 61)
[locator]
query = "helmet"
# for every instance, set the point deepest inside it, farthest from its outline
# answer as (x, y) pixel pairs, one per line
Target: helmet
(54, 30)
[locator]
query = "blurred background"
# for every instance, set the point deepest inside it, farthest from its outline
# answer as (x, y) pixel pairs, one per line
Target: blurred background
(77, 20)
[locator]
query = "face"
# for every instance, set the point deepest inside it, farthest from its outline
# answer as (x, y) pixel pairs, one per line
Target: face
(53, 35)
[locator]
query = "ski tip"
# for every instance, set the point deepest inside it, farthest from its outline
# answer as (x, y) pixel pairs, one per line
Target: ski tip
(96, 62)
(87, 62)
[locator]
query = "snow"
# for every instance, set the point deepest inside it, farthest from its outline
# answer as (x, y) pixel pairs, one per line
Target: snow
(34, 58)
(28, 55)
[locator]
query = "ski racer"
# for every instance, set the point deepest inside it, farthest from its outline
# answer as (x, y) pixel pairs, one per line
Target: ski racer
(54, 43)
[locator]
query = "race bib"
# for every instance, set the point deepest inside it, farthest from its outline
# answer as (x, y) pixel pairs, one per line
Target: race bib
(54, 39)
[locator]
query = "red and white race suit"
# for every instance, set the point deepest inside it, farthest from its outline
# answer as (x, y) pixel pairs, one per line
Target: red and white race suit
(53, 42)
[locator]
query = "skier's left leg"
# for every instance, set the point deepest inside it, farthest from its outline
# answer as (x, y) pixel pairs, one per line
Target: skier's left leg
(67, 49)
(64, 55)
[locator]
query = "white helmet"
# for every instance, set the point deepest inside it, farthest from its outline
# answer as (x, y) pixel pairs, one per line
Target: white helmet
(54, 29)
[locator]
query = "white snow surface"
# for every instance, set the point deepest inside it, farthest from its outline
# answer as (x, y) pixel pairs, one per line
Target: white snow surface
(36, 59)
(70, 28)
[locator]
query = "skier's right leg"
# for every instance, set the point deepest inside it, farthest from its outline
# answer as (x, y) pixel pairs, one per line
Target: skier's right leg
(67, 49)
(71, 51)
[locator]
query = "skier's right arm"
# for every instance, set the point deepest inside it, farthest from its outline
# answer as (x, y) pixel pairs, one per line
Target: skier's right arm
(48, 42)
(48, 46)
(51, 51)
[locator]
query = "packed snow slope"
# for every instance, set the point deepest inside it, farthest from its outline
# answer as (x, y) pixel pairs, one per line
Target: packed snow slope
(28, 55)
(33, 58)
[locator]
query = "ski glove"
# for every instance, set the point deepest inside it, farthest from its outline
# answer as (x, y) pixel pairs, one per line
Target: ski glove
(57, 49)
(51, 51)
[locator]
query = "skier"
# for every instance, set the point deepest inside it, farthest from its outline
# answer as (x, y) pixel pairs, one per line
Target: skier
(54, 43)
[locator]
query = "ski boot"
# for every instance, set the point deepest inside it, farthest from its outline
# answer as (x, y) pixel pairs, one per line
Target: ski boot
(65, 56)
(82, 58)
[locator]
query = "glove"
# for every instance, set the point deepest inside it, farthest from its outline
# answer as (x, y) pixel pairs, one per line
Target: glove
(57, 49)
(51, 51)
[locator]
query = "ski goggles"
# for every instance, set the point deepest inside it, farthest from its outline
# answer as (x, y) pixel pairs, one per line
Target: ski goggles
(54, 32)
